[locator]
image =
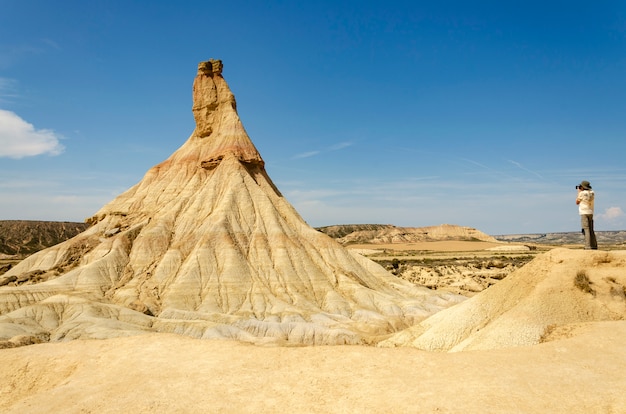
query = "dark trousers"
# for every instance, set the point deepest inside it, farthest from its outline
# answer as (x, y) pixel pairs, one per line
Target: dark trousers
(586, 221)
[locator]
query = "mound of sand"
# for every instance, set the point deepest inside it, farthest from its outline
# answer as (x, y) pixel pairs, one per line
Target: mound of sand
(557, 290)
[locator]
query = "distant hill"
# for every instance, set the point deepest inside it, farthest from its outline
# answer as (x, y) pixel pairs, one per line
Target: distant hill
(562, 239)
(387, 233)
(24, 237)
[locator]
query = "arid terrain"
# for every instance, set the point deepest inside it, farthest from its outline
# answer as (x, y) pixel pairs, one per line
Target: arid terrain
(23, 237)
(583, 373)
(460, 259)
(201, 289)
(454, 258)
(578, 368)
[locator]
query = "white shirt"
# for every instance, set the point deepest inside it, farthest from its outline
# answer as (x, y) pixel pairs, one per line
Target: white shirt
(585, 205)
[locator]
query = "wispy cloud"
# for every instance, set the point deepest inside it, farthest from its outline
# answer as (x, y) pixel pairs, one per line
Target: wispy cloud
(20, 139)
(476, 163)
(9, 55)
(340, 145)
(335, 147)
(521, 167)
(8, 88)
(306, 155)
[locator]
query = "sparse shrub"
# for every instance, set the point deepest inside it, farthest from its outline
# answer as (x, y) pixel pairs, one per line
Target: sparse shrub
(618, 291)
(548, 331)
(582, 282)
(603, 259)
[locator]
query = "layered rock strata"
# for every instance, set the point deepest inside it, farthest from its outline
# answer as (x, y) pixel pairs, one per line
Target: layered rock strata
(205, 245)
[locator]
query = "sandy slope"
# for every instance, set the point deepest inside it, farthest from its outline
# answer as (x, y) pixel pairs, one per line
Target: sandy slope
(529, 304)
(175, 374)
(205, 245)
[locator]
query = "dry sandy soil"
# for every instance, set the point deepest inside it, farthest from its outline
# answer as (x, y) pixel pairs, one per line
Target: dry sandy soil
(438, 246)
(174, 374)
(582, 369)
(461, 267)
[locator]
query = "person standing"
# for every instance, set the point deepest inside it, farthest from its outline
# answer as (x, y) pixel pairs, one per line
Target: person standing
(585, 201)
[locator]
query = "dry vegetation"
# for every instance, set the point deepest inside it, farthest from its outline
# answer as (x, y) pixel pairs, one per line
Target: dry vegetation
(582, 282)
(466, 275)
(461, 267)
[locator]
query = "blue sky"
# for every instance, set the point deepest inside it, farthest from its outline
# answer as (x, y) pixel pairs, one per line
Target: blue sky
(414, 113)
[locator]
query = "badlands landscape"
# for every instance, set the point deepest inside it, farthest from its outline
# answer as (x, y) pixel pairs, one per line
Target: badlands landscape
(201, 289)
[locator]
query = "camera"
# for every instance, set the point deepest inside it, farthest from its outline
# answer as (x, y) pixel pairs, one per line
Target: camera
(578, 187)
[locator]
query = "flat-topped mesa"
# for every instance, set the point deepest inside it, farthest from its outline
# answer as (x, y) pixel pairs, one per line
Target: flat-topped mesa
(217, 122)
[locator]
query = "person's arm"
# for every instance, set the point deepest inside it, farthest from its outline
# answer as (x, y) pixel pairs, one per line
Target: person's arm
(578, 197)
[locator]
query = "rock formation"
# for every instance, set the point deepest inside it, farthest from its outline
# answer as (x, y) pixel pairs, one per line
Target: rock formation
(548, 298)
(389, 234)
(206, 246)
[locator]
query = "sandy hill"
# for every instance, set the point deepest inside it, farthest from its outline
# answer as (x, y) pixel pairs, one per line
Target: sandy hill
(387, 233)
(551, 296)
(205, 245)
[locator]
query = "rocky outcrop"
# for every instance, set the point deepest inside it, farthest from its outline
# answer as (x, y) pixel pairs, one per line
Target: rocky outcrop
(389, 234)
(205, 245)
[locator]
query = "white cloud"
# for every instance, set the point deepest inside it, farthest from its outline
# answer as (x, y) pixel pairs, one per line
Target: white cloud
(20, 139)
(305, 155)
(340, 146)
(612, 213)
(335, 147)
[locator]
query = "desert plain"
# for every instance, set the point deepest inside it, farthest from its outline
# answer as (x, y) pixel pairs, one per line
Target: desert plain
(580, 368)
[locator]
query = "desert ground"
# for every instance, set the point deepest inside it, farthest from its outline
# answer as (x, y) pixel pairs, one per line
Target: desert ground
(458, 266)
(174, 374)
(581, 368)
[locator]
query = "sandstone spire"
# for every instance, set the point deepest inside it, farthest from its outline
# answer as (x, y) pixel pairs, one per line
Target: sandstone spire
(215, 112)
(205, 245)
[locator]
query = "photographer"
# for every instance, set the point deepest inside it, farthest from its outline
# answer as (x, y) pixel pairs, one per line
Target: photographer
(585, 201)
